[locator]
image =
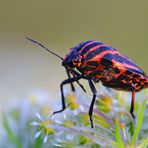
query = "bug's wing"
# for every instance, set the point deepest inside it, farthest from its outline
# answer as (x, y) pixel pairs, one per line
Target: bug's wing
(123, 72)
(121, 60)
(99, 51)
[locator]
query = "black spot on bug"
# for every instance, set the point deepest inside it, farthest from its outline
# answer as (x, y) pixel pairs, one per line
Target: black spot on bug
(98, 72)
(136, 76)
(116, 70)
(106, 63)
(142, 80)
(114, 83)
(93, 63)
(128, 73)
(86, 69)
(124, 77)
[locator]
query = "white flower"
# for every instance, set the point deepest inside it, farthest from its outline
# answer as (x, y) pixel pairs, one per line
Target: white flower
(43, 125)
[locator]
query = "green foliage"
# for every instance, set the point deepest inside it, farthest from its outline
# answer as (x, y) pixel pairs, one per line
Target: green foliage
(118, 138)
(113, 125)
(38, 142)
(11, 134)
(140, 116)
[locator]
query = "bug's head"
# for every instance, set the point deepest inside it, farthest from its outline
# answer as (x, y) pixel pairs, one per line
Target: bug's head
(75, 57)
(73, 60)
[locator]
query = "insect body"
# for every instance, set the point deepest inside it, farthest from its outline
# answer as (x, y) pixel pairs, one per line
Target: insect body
(96, 61)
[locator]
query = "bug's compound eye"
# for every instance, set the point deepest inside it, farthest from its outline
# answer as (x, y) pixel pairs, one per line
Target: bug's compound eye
(78, 61)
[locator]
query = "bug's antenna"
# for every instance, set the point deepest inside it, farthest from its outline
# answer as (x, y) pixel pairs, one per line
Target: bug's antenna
(43, 47)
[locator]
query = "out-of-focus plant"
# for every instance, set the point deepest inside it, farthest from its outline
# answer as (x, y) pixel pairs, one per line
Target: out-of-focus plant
(114, 126)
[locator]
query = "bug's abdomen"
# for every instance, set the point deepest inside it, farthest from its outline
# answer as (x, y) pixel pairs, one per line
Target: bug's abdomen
(114, 75)
(126, 81)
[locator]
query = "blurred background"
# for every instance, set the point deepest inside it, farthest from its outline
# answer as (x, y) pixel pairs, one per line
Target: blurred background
(60, 25)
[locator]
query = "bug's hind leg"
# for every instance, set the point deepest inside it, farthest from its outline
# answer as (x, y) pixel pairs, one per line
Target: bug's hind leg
(93, 89)
(132, 101)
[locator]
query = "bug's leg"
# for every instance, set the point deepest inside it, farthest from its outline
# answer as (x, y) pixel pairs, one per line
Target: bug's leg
(93, 89)
(67, 81)
(73, 72)
(71, 84)
(81, 86)
(132, 102)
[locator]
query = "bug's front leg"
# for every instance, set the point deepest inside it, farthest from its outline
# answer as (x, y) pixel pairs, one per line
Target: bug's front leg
(94, 91)
(67, 81)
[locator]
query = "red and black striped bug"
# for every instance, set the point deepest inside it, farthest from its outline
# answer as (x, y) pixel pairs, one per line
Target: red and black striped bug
(96, 61)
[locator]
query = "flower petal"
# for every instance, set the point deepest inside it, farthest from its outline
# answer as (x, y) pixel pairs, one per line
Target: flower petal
(37, 134)
(57, 121)
(34, 123)
(39, 116)
(64, 116)
(45, 138)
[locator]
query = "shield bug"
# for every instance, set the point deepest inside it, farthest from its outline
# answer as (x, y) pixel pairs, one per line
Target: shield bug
(96, 61)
